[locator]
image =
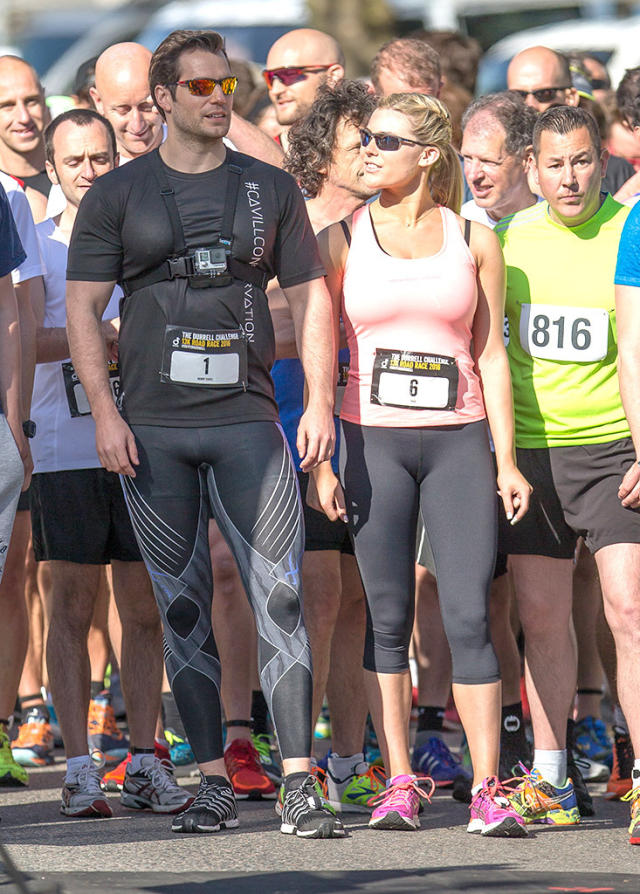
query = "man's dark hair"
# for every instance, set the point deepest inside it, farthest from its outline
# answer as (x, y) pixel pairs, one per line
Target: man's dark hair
(628, 97)
(85, 79)
(165, 62)
(82, 118)
(414, 60)
(312, 139)
(564, 120)
(511, 111)
(459, 55)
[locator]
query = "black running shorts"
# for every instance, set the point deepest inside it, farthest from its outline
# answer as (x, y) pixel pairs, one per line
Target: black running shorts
(575, 494)
(81, 516)
(322, 535)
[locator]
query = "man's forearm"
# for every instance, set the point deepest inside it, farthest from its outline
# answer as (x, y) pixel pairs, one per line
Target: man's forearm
(313, 322)
(87, 348)
(629, 376)
(10, 356)
(27, 320)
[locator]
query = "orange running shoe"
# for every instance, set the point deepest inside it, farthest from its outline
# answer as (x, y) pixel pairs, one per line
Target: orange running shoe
(103, 734)
(620, 780)
(246, 773)
(34, 745)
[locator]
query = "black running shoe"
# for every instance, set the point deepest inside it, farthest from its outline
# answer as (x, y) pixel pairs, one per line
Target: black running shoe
(214, 808)
(304, 812)
(585, 802)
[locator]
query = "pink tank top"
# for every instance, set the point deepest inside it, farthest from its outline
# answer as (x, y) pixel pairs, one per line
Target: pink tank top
(408, 323)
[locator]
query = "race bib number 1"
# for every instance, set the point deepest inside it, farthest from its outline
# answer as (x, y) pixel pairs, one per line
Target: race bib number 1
(205, 359)
(573, 334)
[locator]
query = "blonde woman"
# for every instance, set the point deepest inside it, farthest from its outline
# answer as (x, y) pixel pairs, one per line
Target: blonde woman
(421, 294)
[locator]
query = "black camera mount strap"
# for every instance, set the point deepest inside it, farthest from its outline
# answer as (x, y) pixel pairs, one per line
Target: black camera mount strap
(180, 265)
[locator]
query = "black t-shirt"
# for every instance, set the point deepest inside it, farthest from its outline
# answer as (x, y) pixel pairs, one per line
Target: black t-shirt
(618, 172)
(123, 230)
(40, 182)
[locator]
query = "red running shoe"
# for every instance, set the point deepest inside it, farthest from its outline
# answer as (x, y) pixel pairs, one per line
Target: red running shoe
(246, 773)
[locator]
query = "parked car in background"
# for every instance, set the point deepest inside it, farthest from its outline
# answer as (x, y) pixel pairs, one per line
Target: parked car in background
(123, 23)
(615, 42)
(248, 26)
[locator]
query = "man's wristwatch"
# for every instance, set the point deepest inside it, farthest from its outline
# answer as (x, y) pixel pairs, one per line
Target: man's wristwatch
(29, 428)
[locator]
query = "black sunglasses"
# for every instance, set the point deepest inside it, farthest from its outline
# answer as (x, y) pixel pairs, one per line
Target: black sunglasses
(544, 94)
(206, 86)
(386, 142)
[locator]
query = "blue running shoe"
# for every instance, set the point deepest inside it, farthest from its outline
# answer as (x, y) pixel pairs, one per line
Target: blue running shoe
(592, 740)
(433, 758)
(179, 749)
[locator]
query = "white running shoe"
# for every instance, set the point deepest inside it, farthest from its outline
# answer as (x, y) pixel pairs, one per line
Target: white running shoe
(154, 788)
(82, 795)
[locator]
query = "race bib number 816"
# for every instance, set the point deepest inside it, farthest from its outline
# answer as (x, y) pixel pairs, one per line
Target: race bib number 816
(573, 334)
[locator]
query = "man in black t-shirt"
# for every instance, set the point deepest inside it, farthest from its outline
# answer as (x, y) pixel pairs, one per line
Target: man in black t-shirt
(194, 232)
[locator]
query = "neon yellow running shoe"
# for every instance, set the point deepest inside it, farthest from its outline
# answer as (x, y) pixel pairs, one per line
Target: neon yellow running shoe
(11, 773)
(537, 801)
(634, 827)
(352, 792)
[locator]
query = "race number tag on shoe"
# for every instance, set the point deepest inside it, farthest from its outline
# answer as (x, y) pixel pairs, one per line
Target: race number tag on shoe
(414, 381)
(77, 396)
(205, 359)
(574, 334)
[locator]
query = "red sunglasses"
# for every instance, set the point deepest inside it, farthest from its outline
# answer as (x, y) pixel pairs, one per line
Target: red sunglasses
(292, 74)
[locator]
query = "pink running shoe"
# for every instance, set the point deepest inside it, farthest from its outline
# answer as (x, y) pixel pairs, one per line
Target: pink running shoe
(398, 805)
(492, 814)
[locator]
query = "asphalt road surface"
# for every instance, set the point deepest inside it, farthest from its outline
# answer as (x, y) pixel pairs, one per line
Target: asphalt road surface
(136, 852)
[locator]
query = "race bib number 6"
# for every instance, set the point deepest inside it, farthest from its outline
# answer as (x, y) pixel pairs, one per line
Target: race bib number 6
(414, 380)
(573, 334)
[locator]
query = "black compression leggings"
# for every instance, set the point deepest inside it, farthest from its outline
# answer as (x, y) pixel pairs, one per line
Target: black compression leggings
(243, 476)
(446, 473)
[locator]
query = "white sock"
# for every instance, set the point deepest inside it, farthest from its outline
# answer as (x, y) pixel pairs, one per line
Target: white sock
(635, 774)
(476, 789)
(346, 766)
(619, 720)
(552, 766)
(75, 764)
(138, 762)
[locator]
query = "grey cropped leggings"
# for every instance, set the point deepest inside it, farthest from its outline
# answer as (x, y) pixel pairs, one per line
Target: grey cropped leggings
(446, 473)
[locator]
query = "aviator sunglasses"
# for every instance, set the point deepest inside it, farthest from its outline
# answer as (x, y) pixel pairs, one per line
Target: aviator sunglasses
(206, 86)
(544, 94)
(292, 74)
(386, 142)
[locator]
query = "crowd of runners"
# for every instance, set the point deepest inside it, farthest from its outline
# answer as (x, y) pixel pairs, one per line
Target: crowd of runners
(322, 393)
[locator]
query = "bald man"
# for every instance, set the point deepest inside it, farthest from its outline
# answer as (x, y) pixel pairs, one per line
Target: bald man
(542, 78)
(23, 118)
(319, 60)
(121, 94)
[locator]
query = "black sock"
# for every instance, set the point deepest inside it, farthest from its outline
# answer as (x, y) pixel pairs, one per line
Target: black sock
(171, 716)
(430, 718)
(571, 735)
(218, 780)
(293, 780)
(512, 720)
(30, 701)
(259, 712)
(97, 687)
(143, 750)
